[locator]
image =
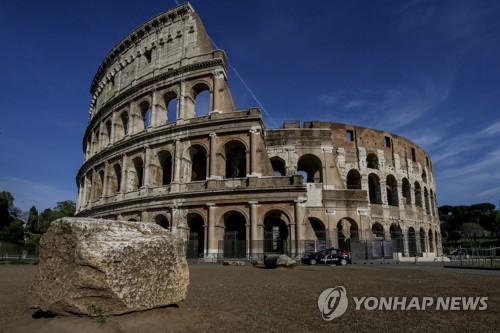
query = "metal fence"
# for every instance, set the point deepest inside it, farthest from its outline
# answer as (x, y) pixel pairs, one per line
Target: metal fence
(475, 257)
(9, 251)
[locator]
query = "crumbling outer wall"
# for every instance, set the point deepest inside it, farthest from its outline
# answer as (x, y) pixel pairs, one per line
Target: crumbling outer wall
(166, 42)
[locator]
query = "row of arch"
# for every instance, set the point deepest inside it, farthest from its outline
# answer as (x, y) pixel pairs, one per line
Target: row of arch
(392, 192)
(276, 226)
(143, 115)
(161, 167)
(372, 163)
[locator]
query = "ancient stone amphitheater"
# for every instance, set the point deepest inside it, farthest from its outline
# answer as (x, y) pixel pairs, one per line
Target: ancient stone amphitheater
(232, 187)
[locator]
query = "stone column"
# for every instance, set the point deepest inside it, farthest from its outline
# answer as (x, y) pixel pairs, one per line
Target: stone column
(105, 190)
(327, 155)
(146, 171)
(218, 87)
(213, 156)
(99, 137)
(406, 252)
(154, 116)
(177, 162)
(81, 191)
(182, 102)
(255, 247)
(254, 169)
(299, 220)
(123, 183)
(212, 243)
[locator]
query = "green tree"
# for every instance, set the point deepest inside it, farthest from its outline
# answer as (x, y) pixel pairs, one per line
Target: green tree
(11, 228)
(6, 204)
(32, 223)
(62, 209)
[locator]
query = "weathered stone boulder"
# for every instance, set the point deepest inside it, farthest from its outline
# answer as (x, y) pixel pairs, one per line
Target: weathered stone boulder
(279, 260)
(110, 267)
(285, 261)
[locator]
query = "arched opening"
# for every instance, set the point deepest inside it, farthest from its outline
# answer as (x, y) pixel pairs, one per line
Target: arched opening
(116, 179)
(347, 230)
(95, 143)
(201, 94)
(412, 242)
(377, 230)
(397, 238)
(145, 112)
(392, 191)
(418, 195)
(374, 189)
(196, 244)
(311, 166)
(431, 241)
(234, 235)
(124, 124)
(319, 228)
(424, 176)
(406, 191)
(422, 241)
(353, 180)
(426, 198)
(278, 166)
(162, 221)
(99, 184)
(138, 180)
(198, 160)
(372, 161)
(107, 134)
(236, 162)
(170, 99)
(165, 160)
(275, 233)
(432, 203)
(132, 220)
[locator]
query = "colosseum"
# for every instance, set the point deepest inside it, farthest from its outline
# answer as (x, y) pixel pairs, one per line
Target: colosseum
(227, 184)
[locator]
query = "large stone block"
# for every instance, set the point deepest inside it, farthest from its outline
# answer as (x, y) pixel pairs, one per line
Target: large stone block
(112, 266)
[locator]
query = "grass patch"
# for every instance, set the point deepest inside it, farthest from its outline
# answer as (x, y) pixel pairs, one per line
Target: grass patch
(97, 314)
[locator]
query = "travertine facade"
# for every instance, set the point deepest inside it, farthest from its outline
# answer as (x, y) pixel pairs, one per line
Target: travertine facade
(232, 187)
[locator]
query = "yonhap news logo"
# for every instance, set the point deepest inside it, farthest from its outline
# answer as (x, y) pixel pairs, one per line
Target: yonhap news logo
(333, 303)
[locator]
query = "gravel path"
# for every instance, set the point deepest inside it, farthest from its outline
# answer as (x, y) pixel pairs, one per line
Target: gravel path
(248, 299)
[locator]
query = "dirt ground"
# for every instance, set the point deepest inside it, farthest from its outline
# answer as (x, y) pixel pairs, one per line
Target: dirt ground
(249, 299)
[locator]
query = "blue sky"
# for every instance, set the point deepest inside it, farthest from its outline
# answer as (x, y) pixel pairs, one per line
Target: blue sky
(425, 70)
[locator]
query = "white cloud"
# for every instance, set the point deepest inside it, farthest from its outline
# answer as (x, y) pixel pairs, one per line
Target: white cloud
(491, 130)
(354, 103)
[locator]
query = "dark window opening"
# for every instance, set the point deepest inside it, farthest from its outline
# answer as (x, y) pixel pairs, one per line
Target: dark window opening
(353, 180)
(236, 163)
(387, 141)
(349, 135)
(413, 155)
(278, 166)
(372, 161)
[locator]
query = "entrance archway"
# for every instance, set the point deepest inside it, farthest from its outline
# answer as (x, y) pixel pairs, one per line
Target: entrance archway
(196, 244)
(397, 238)
(347, 230)
(276, 233)
(234, 243)
(377, 230)
(412, 242)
